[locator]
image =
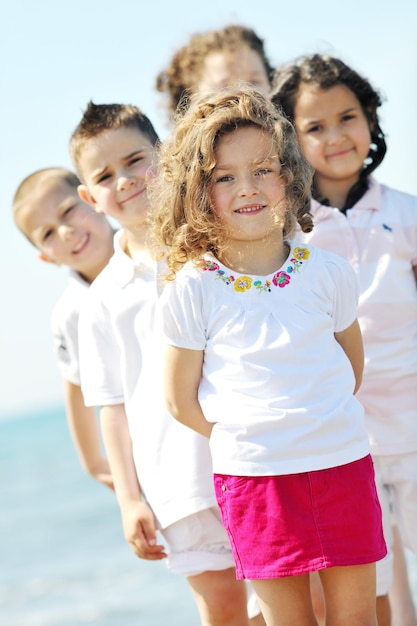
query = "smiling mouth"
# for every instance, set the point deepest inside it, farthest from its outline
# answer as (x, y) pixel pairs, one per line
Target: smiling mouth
(81, 245)
(340, 153)
(135, 195)
(250, 209)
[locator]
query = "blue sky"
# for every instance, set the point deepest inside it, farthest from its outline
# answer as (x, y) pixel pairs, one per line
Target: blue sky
(56, 56)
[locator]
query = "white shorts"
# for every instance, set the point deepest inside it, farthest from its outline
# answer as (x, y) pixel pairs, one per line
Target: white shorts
(396, 483)
(199, 543)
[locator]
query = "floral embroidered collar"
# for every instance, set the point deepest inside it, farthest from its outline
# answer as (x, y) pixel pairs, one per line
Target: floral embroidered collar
(279, 279)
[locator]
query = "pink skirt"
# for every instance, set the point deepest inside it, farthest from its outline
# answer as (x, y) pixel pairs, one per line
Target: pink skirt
(298, 523)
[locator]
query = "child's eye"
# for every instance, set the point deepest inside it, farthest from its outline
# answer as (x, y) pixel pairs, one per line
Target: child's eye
(47, 234)
(314, 129)
(262, 171)
(348, 117)
(102, 178)
(223, 179)
(69, 209)
(135, 160)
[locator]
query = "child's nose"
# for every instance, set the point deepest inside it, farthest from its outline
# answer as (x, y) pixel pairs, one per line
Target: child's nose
(65, 231)
(124, 182)
(334, 134)
(248, 186)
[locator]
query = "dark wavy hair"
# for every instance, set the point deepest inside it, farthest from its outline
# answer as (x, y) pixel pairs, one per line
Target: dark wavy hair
(325, 72)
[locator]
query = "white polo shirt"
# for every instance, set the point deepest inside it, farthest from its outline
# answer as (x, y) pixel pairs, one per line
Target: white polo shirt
(121, 361)
(275, 381)
(378, 236)
(64, 325)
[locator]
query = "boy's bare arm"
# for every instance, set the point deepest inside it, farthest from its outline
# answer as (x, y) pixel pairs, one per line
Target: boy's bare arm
(137, 517)
(85, 433)
(351, 342)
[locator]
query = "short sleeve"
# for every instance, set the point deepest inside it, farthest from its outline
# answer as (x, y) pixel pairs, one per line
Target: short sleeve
(346, 292)
(64, 328)
(182, 312)
(100, 371)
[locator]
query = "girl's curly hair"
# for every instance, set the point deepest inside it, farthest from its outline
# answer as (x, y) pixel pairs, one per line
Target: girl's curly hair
(325, 72)
(185, 224)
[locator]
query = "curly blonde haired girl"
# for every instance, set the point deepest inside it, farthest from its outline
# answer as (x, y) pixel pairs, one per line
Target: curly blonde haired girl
(185, 221)
(264, 357)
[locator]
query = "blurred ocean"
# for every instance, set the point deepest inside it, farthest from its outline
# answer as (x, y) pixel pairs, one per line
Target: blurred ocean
(63, 558)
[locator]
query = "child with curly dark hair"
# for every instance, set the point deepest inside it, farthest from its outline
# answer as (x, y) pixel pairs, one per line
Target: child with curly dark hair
(335, 113)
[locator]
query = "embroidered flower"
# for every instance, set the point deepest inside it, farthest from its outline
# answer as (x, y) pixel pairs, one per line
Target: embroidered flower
(260, 286)
(211, 266)
(301, 254)
(281, 279)
(224, 277)
(243, 283)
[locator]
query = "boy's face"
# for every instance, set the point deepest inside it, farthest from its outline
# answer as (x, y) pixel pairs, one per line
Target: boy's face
(115, 167)
(66, 230)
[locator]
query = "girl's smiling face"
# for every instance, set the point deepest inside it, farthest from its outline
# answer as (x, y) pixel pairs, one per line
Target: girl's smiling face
(333, 133)
(247, 192)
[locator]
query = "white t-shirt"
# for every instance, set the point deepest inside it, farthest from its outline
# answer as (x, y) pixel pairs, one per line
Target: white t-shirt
(64, 325)
(275, 381)
(121, 362)
(378, 237)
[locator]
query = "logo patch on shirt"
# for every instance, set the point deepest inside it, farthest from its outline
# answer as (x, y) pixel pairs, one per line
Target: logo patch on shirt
(61, 349)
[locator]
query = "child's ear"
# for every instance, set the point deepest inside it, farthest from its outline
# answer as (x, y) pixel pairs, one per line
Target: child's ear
(47, 259)
(86, 197)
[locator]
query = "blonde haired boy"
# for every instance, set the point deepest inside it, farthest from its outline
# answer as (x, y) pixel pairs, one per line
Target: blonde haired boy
(66, 231)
